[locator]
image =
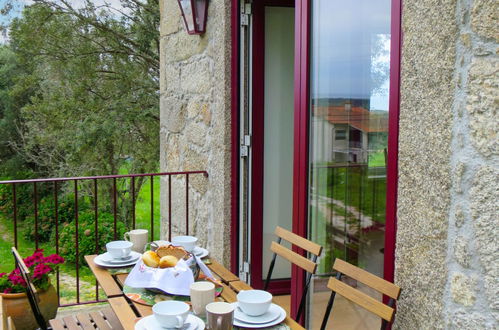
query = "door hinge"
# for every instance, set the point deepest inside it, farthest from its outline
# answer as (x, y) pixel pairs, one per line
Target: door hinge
(245, 145)
(244, 271)
(246, 12)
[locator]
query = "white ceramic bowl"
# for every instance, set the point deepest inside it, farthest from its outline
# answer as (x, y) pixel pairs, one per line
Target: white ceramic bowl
(171, 314)
(254, 302)
(119, 249)
(187, 242)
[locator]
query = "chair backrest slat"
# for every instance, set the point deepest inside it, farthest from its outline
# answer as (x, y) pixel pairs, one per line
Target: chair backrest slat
(361, 299)
(298, 241)
(20, 262)
(30, 289)
(294, 257)
(373, 281)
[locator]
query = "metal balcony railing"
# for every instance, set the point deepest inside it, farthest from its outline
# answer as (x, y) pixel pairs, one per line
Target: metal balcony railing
(91, 183)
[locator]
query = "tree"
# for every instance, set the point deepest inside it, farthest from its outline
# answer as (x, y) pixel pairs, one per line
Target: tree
(94, 77)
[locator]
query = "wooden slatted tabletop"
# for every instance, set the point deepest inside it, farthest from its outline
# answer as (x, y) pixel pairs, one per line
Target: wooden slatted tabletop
(129, 311)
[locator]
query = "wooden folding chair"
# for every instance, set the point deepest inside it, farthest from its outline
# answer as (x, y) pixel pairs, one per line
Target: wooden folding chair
(310, 266)
(104, 320)
(386, 312)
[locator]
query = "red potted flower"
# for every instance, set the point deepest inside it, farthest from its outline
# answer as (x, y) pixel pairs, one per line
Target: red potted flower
(13, 289)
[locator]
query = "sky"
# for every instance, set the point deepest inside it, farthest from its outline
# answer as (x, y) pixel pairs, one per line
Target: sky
(345, 33)
(19, 4)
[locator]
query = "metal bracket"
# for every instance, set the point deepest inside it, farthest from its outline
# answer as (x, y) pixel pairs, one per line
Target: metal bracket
(246, 12)
(244, 270)
(245, 145)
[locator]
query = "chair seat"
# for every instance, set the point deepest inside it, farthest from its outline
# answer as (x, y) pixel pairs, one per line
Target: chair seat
(104, 319)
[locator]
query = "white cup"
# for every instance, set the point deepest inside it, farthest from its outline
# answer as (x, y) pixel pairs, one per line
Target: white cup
(171, 314)
(254, 302)
(119, 249)
(219, 316)
(139, 238)
(187, 242)
(202, 293)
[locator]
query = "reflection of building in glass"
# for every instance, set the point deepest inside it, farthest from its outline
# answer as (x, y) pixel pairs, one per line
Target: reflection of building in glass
(354, 133)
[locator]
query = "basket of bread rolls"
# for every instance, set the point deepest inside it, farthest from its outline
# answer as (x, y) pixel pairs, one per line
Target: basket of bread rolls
(167, 256)
(169, 268)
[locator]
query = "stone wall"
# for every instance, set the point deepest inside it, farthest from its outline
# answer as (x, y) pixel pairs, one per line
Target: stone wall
(195, 123)
(448, 211)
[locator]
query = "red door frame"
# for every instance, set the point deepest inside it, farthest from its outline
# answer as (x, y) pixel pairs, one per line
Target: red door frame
(258, 99)
(300, 166)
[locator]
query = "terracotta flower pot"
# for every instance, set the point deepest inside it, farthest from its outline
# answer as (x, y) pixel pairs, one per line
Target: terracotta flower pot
(17, 306)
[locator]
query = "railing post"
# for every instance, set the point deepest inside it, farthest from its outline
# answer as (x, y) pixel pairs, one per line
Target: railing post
(56, 209)
(132, 179)
(96, 220)
(187, 204)
(115, 210)
(170, 208)
(35, 201)
(14, 205)
(77, 246)
(152, 208)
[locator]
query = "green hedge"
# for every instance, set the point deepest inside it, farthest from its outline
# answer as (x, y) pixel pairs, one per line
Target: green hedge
(86, 235)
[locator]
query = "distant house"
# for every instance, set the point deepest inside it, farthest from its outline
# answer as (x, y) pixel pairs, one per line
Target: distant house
(352, 130)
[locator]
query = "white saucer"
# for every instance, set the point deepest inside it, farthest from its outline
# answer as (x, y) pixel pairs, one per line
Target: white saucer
(133, 256)
(279, 319)
(103, 260)
(272, 314)
(149, 323)
(200, 252)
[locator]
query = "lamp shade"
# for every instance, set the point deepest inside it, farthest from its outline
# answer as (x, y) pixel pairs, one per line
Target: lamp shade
(195, 13)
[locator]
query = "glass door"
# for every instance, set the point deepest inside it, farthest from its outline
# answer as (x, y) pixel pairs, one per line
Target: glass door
(347, 144)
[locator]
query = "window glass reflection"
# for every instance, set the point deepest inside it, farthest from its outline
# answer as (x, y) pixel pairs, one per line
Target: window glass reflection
(350, 69)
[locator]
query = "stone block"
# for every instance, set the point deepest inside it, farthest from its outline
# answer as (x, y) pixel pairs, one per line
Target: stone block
(484, 18)
(196, 107)
(462, 251)
(484, 195)
(171, 17)
(206, 114)
(458, 176)
(463, 289)
(462, 319)
(483, 104)
(196, 77)
(182, 46)
(171, 81)
(196, 161)
(196, 133)
(459, 216)
(172, 114)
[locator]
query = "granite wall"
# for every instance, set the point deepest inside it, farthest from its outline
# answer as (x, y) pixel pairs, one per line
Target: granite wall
(195, 124)
(448, 195)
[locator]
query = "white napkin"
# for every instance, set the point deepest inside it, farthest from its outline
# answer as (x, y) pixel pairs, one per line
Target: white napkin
(204, 268)
(173, 280)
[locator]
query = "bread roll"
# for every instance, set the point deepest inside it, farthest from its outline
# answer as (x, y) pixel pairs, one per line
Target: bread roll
(167, 261)
(170, 250)
(151, 259)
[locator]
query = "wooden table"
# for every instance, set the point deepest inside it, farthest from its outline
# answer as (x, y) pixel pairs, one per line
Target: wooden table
(129, 311)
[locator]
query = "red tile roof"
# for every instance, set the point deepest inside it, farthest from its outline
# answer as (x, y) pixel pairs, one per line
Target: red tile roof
(358, 117)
